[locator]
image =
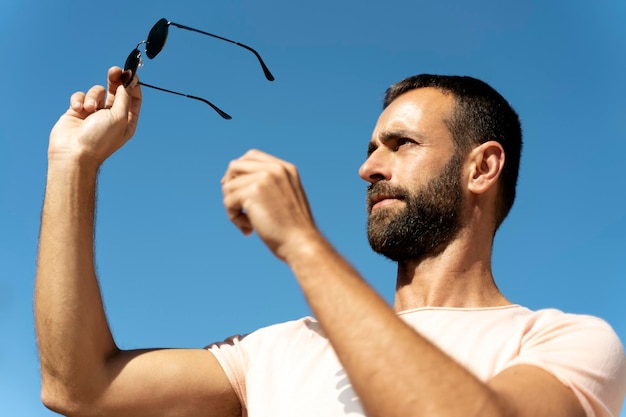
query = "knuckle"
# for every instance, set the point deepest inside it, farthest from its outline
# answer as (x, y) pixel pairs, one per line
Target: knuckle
(232, 166)
(258, 187)
(249, 154)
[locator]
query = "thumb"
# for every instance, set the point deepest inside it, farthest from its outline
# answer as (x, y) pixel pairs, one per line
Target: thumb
(126, 107)
(121, 103)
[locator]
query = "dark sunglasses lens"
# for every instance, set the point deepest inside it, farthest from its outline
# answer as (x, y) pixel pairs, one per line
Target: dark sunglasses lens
(157, 38)
(131, 65)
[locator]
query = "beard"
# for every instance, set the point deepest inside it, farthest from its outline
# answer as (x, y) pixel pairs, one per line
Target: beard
(427, 223)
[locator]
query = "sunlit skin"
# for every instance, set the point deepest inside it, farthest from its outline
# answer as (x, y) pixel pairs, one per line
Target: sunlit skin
(397, 373)
(410, 145)
(410, 142)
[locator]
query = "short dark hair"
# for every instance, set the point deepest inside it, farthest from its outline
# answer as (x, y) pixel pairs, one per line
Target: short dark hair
(481, 114)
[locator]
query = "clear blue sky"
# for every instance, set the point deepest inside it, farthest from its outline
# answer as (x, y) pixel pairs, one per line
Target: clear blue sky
(174, 272)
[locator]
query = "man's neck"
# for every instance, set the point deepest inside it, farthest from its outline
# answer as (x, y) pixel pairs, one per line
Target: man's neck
(459, 276)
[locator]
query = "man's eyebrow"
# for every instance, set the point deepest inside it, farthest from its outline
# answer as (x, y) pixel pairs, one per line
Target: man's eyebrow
(392, 135)
(399, 134)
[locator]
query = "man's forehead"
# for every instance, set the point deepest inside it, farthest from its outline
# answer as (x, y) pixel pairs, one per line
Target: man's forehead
(424, 99)
(419, 110)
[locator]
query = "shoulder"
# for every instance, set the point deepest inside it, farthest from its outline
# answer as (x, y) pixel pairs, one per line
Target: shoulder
(579, 329)
(571, 337)
(519, 332)
(582, 351)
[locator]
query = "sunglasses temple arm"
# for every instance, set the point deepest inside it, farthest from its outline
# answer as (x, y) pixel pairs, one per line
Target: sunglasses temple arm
(213, 106)
(266, 70)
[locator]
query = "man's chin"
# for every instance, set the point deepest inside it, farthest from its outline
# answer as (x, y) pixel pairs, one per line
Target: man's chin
(392, 254)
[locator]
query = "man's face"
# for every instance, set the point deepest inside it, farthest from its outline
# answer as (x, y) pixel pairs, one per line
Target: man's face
(415, 197)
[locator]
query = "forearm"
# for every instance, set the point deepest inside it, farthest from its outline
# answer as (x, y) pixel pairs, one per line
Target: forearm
(74, 339)
(394, 370)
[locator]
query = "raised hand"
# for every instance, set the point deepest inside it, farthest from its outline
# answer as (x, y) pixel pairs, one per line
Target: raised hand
(97, 122)
(263, 193)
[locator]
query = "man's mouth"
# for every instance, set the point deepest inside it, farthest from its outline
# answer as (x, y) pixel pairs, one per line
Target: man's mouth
(381, 194)
(377, 201)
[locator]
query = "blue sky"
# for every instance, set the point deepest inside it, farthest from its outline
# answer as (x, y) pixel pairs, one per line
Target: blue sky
(175, 273)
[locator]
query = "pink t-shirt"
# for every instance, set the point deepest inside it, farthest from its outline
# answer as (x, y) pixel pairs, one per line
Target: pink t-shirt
(290, 369)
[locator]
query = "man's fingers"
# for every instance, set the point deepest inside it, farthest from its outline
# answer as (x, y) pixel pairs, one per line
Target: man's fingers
(121, 104)
(242, 222)
(235, 212)
(115, 80)
(254, 163)
(94, 98)
(76, 101)
(82, 104)
(135, 102)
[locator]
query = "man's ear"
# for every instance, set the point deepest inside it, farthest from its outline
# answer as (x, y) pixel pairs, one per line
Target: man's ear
(485, 164)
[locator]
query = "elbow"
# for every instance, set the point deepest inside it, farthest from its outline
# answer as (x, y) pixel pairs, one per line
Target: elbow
(59, 403)
(63, 400)
(73, 393)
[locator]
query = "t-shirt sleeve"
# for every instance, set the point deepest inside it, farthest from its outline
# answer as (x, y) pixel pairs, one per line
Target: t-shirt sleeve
(584, 353)
(234, 360)
(237, 354)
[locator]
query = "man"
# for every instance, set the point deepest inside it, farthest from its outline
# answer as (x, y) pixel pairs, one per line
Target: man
(442, 166)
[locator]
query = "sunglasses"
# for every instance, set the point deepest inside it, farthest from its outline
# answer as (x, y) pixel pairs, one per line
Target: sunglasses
(155, 43)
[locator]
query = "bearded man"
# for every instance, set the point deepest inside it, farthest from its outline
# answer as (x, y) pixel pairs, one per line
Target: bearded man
(442, 167)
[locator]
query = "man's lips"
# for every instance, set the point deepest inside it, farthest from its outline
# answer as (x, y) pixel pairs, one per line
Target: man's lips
(378, 201)
(380, 194)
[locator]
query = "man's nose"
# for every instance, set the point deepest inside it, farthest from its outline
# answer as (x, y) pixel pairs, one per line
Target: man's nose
(375, 168)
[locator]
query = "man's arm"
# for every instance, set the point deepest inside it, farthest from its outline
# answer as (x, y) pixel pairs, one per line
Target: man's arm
(393, 369)
(83, 371)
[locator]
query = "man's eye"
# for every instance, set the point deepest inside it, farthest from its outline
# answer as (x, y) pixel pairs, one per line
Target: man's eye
(402, 142)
